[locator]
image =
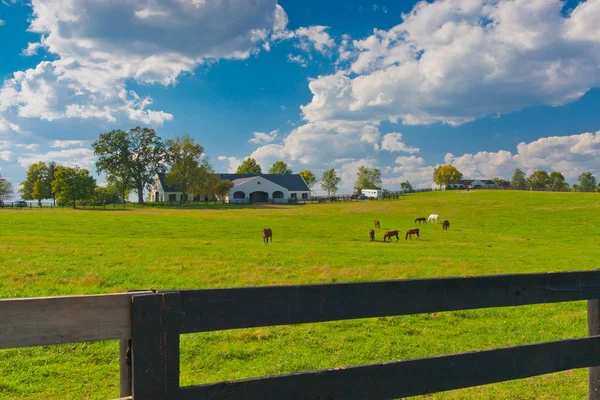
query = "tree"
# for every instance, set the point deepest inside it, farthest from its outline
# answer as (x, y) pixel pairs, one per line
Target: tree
(309, 178)
(132, 158)
(406, 187)
(587, 181)
(367, 178)
(106, 195)
(518, 179)
(330, 181)
(279, 167)
(446, 174)
(73, 184)
(51, 171)
(538, 179)
(556, 180)
(37, 173)
(501, 182)
(6, 190)
(249, 166)
(184, 157)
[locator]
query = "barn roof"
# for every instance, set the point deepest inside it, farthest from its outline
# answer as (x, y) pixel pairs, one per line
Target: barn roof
(163, 183)
(292, 182)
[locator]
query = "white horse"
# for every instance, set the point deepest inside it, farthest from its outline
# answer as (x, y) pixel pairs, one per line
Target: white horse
(433, 217)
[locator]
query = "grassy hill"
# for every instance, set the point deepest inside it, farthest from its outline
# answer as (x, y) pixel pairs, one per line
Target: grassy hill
(55, 252)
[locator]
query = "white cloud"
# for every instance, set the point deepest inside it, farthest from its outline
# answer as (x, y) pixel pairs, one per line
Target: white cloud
(81, 157)
(6, 155)
(298, 59)
(393, 142)
(63, 144)
(261, 137)
(4, 144)
(2, 22)
(457, 60)
(314, 36)
(30, 147)
(232, 163)
(347, 171)
(32, 49)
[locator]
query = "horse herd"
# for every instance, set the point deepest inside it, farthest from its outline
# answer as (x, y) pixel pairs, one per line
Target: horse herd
(409, 233)
(267, 233)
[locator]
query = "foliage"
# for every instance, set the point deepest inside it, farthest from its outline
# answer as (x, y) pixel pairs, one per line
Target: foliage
(6, 189)
(132, 158)
(73, 184)
(106, 195)
(556, 180)
(406, 187)
(203, 179)
(309, 178)
(446, 174)
(500, 182)
(40, 174)
(367, 178)
(587, 181)
(279, 167)
(538, 179)
(184, 157)
(249, 166)
(518, 179)
(330, 181)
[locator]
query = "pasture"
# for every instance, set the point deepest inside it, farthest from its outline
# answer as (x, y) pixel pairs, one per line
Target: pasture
(58, 252)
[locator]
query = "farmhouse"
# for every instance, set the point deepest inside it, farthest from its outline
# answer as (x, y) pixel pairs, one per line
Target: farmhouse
(247, 188)
(467, 184)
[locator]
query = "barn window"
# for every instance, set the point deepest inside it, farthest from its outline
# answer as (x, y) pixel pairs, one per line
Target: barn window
(239, 195)
(172, 197)
(304, 196)
(278, 195)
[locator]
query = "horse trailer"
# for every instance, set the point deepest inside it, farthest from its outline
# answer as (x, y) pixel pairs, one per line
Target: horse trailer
(373, 193)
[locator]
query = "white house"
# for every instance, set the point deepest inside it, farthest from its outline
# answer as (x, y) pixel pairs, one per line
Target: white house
(247, 188)
(467, 184)
(373, 193)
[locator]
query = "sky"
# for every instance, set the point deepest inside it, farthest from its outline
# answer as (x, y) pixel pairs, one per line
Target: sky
(486, 85)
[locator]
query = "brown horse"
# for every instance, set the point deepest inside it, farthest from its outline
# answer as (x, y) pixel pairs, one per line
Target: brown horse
(266, 234)
(411, 232)
(372, 234)
(446, 225)
(390, 235)
(377, 224)
(421, 220)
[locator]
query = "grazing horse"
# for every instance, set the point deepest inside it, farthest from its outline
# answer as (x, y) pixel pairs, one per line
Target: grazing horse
(390, 235)
(445, 225)
(433, 217)
(411, 232)
(377, 225)
(266, 234)
(421, 220)
(372, 234)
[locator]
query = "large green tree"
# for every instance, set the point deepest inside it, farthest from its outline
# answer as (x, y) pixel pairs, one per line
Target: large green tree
(38, 182)
(73, 184)
(330, 181)
(279, 167)
(184, 156)
(500, 182)
(309, 178)
(249, 166)
(106, 195)
(518, 179)
(132, 158)
(6, 189)
(446, 174)
(406, 187)
(538, 179)
(556, 180)
(367, 178)
(587, 181)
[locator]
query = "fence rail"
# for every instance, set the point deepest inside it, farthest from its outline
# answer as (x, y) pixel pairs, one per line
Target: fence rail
(150, 324)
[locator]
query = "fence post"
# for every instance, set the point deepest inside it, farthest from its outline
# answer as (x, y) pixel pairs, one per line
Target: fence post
(125, 368)
(593, 318)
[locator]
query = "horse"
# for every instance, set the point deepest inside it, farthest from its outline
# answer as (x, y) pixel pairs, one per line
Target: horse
(421, 220)
(446, 225)
(411, 232)
(433, 217)
(390, 235)
(372, 234)
(377, 225)
(266, 234)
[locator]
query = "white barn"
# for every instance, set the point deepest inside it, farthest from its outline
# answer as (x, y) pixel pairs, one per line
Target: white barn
(247, 188)
(467, 184)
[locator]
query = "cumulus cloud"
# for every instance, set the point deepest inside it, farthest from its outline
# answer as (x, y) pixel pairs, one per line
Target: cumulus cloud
(6, 155)
(63, 144)
(392, 142)
(298, 59)
(81, 157)
(457, 60)
(316, 37)
(261, 137)
(232, 163)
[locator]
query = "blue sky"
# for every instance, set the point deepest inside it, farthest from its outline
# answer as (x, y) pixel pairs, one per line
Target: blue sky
(488, 85)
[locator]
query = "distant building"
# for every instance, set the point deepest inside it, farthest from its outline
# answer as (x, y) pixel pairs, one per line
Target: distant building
(467, 184)
(247, 188)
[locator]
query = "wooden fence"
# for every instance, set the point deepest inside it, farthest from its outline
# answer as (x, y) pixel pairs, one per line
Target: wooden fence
(154, 322)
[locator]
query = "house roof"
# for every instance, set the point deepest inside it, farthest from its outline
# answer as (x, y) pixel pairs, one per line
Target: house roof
(470, 181)
(163, 183)
(292, 182)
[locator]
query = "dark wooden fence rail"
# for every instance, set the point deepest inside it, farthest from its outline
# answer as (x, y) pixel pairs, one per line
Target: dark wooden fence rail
(159, 319)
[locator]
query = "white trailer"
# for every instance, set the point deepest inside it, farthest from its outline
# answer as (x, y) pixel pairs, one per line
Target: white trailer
(376, 194)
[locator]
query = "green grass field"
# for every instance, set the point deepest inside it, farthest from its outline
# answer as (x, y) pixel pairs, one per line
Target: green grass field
(59, 252)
